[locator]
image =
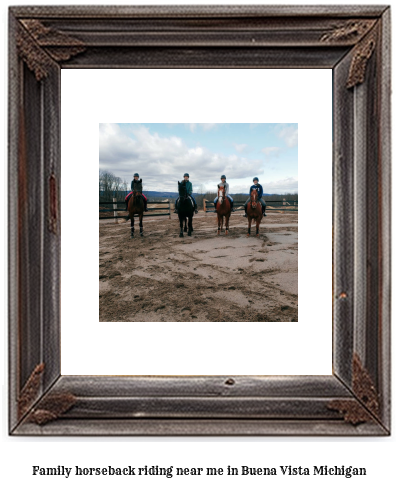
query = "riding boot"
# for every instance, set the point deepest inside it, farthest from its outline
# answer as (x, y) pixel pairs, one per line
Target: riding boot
(195, 209)
(264, 210)
(176, 207)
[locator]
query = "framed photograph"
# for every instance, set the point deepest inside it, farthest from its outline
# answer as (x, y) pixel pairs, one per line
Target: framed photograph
(190, 181)
(349, 43)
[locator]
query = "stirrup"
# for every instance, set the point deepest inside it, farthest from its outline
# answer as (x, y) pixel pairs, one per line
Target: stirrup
(195, 211)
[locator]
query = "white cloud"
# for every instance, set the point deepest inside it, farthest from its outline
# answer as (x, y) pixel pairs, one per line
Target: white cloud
(204, 126)
(162, 161)
(240, 147)
(287, 185)
(271, 151)
(290, 135)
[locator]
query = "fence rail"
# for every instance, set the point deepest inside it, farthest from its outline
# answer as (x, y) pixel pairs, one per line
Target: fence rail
(240, 204)
(115, 209)
(286, 206)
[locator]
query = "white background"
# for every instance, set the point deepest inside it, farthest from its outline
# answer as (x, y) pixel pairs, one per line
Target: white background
(254, 96)
(378, 455)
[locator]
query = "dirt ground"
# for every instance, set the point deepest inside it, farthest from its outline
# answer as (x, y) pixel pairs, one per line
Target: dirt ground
(202, 278)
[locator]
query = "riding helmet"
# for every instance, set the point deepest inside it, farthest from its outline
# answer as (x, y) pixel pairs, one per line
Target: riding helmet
(186, 174)
(255, 179)
(136, 175)
(223, 177)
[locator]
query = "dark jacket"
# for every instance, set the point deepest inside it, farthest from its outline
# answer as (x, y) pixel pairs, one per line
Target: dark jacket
(259, 188)
(189, 187)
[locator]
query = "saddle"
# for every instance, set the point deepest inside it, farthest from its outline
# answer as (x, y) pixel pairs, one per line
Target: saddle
(189, 197)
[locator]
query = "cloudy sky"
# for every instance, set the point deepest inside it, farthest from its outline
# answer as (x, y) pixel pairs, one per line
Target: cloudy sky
(161, 153)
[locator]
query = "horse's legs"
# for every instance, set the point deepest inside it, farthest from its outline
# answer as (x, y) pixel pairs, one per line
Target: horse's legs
(181, 226)
(227, 224)
(249, 226)
(190, 225)
(257, 226)
(132, 227)
(141, 225)
(219, 223)
(185, 224)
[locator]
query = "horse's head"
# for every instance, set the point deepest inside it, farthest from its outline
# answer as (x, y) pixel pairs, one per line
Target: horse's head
(138, 187)
(221, 193)
(254, 198)
(137, 190)
(182, 189)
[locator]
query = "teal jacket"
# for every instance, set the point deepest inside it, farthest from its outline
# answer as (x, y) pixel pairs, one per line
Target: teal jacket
(189, 187)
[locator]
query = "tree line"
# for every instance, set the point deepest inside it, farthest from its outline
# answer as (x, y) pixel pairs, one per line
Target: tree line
(112, 186)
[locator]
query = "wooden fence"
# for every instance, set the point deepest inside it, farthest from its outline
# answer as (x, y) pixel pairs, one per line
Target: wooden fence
(208, 207)
(239, 206)
(168, 206)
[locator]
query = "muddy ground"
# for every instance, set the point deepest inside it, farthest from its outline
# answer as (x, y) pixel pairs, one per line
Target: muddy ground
(202, 278)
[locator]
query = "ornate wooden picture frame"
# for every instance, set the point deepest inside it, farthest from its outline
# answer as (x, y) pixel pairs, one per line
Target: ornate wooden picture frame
(352, 41)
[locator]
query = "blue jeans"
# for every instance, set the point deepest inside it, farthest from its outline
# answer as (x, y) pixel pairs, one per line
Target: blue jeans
(260, 201)
(227, 196)
(192, 197)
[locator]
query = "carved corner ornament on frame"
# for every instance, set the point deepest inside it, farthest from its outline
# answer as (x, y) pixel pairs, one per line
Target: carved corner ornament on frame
(354, 42)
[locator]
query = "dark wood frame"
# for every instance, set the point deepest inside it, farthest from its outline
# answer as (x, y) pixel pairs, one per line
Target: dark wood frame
(353, 41)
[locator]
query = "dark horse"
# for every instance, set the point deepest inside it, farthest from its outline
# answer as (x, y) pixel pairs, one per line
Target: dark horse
(254, 212)
(223, 209)
(185, 209)
(136, 206)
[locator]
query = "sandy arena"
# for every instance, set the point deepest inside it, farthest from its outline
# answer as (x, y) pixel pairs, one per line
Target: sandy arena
(202, 278)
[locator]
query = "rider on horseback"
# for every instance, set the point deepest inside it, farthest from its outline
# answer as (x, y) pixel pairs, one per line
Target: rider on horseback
(226, 187)
(135, 179)
(189, 189)
(259, 189)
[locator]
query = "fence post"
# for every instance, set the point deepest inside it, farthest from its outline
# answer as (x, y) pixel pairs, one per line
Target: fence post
(115, 212)
(170, 214)
(204, 203)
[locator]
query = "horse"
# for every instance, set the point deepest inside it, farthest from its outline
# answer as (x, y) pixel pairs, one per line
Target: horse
(136, 206)
(185, 209)
(223, 209)
(254, 212)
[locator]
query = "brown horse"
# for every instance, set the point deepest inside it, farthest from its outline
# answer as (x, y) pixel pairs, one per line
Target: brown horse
(254, 212)
(223, 209)
(136, 206)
